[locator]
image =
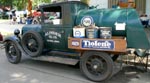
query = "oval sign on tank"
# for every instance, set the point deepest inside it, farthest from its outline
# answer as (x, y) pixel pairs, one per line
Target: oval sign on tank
(87, 21)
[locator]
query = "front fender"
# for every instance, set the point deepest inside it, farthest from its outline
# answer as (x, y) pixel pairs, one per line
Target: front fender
(17, 41)
(14, 38)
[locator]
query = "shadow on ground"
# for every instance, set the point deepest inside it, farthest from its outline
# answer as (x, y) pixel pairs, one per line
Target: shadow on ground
(129, 74)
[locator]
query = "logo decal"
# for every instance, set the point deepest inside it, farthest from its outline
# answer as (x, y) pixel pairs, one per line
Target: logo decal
(78, 33)
(98, 44)
(87, 21)
(75, 43)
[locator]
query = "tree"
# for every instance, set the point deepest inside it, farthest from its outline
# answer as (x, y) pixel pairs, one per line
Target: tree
(20, 4)
(5, 3)
(37, 2)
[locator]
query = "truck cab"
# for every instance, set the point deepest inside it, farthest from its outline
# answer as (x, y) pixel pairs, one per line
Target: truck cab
(57, 22)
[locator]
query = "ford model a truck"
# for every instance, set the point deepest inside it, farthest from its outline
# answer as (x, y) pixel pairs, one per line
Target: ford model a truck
(58, 37)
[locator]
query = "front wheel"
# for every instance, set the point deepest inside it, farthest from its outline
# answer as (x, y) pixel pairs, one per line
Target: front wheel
(96, 66)
(12, 52)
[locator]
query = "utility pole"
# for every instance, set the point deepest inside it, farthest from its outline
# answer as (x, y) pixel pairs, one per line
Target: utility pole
(29, 7)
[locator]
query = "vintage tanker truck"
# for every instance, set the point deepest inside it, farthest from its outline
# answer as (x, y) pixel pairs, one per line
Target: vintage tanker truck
(52, 40)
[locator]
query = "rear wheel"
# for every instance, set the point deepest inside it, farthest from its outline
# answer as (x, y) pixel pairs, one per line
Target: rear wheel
(12, 52)
(96, 66)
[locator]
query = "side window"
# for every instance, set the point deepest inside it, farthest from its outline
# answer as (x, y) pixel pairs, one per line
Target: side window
(53, 15)
(36, 17)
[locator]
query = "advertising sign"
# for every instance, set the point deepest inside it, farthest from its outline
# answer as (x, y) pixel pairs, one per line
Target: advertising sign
(98, 44)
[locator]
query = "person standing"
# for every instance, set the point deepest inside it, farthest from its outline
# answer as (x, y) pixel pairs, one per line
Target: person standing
(14, 16)
(18, 19)
(144, 19)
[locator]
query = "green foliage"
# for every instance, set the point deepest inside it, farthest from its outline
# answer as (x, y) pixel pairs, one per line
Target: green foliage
(37, 2)
(6, 2)
(21, 4)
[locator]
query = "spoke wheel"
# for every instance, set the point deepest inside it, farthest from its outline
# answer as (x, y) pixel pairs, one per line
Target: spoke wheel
(32, 43)
(12, 52)
(96, 66)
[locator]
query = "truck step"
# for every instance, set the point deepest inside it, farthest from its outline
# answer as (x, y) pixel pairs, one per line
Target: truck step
(57, 59)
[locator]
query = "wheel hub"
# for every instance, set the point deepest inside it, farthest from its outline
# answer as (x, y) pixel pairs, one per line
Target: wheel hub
(96, 65)
(11, 50)
(31, 43)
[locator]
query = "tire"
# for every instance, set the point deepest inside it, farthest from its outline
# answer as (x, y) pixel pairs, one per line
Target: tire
(12, 52)
(32, 43)
(96, 66)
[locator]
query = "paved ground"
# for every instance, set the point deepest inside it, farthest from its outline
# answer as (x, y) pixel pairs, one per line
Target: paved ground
(7, 29)
(31, 71)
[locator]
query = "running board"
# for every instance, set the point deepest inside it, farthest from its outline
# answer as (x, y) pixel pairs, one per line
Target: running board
(68, 61)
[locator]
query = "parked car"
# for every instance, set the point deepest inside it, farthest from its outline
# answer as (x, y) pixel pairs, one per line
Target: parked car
(1, 37)
(4, 15)
(0, 14)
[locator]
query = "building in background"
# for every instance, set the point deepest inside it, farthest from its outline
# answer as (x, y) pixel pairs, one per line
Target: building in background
(99, 3)
(142, 6)
(147, 7)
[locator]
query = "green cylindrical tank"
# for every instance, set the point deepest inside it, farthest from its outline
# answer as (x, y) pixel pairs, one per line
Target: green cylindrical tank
(108, 18)
(133, 31)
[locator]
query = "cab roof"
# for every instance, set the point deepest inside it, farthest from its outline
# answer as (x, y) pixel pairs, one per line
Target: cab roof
(61, 3)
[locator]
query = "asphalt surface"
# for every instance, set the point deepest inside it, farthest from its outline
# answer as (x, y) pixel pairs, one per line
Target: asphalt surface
(32, 71)
(7, 28)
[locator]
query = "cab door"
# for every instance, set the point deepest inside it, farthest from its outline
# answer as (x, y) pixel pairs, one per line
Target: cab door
(54, 36)
(54, 32)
